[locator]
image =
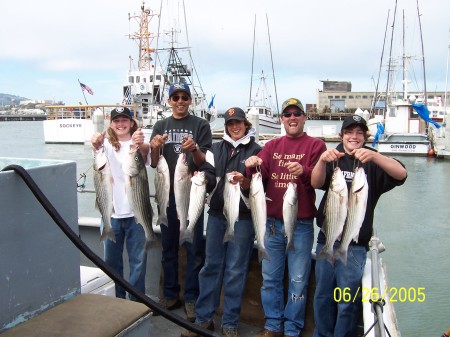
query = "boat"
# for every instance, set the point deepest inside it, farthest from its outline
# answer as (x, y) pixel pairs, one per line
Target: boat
(401, 129)
(147, 85)
(260, 109)
(71, 288)
(74, 124)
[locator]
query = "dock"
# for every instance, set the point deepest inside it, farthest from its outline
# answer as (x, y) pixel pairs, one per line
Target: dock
(17, 117)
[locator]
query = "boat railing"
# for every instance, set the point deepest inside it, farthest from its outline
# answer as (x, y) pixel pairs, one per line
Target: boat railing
(81, 111)
(376, 247)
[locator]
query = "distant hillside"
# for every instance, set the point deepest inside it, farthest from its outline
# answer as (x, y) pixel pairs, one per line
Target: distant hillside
(7, 99)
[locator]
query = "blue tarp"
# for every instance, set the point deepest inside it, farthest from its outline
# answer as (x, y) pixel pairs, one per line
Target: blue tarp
(424, 113)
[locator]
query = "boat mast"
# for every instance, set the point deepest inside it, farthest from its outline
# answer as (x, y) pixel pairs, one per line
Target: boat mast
(423, 55)
(446, 81)
(271, 60)
(405, 75)
(253, 59)
(143, 37)
(390, 60)
(379, 70)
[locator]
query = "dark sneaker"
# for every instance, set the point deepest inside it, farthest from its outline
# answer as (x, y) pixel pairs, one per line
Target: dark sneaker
(169, 304)
(207, 325)
(230, 332)
(189, 309)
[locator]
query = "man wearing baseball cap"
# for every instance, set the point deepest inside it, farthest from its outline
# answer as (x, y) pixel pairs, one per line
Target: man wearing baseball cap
(284, 160)
(333, 270)
(174, 136)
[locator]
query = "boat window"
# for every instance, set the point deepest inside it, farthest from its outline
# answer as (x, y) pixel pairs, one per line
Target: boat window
(364, 97)
(145, 79)
(158, 77)
(351, 97)
(337, 97)
(343, 96)
(138, 79)
(151, 78)
(392, 112)
(330, 97)
(131, 79)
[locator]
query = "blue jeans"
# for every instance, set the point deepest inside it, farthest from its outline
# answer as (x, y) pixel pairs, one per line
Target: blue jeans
(228, 263)
(299, 265)
(338, 318)
(128, 232)
(170, 245)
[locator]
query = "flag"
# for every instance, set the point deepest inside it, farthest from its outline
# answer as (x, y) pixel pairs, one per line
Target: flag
(85, 87)
(424, 113)
(380, 131)
(210, 105)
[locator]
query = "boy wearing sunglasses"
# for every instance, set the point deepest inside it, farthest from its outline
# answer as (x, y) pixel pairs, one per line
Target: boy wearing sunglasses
(290, 158)
(189, 134)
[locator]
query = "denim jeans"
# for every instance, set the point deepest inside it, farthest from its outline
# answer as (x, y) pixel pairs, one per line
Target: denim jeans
(170, 245)
(226, 262)
(128, 232)
(333, 319)
(299, 265)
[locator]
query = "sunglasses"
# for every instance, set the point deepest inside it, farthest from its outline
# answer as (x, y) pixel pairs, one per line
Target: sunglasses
(175, 98)
(289, 114)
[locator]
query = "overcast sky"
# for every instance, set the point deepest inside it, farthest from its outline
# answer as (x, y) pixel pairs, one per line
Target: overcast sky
(47, 45)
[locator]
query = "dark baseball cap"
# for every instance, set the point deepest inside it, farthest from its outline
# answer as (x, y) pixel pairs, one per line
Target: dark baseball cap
(354, 120)
(121, 111)
(234, 113)
(175, 87)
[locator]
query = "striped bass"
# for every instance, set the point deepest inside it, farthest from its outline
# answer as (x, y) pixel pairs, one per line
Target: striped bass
(138, 192)
(162, 189)
(182, 189)
(231, 199)
(258, 210)
(103, 193)
(335, 213)
(290, 211)
(197, 198)
(357, 203)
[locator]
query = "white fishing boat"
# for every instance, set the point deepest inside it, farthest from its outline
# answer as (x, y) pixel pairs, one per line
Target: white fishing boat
(401, 129)
(266, 121)
(159, 65)
(261, 107)
(74, 124)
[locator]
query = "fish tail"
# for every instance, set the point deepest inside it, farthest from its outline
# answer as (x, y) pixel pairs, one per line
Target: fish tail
(326, 253)
(107, 233)
(188, 235)
(262, 254)
(162, 220)
(289, 246)
(341, 254)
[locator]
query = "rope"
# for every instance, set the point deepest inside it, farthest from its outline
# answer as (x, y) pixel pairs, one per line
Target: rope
(62, 224)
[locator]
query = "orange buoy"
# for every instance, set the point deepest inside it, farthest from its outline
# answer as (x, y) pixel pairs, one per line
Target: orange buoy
(431, 152)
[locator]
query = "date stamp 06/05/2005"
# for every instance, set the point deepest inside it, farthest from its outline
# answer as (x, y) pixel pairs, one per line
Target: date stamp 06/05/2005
(394, 294)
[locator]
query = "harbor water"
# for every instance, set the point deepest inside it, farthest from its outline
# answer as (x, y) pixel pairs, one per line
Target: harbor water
(412, 221)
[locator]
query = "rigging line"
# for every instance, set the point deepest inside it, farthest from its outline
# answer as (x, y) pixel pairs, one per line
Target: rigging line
(390, 60)
(253, 60)
(271, 60)
(423, 54)
(74, 238)
(381, 64)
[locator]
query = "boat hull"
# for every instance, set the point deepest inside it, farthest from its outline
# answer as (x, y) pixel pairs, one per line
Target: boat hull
(406, 144)
(68, 131)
